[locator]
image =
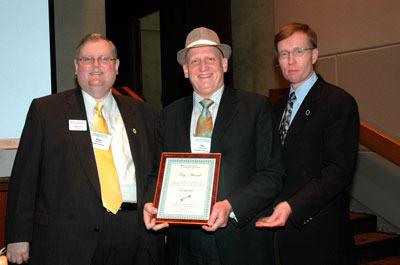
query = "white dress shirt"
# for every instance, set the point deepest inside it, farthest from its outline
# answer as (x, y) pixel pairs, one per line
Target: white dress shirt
(120, 147)
(197, 108)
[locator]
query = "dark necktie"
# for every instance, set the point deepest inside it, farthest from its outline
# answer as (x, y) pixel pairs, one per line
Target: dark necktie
(287, 114)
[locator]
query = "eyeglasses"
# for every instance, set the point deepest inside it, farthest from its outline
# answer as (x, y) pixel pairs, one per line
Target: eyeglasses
(296, 52)
(103, 60)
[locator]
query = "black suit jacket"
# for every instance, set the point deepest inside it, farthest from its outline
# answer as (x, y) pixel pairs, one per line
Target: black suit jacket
(319, 157)
(54, 198)
(250, 175)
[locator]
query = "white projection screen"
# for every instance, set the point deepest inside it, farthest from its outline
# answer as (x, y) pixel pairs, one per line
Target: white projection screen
(25, 64)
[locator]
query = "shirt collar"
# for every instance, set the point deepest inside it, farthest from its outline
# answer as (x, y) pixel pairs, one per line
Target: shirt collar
(302, 91)
(90, 102)
(216, 97)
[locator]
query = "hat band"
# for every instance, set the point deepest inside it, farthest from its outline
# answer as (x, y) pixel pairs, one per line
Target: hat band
(201, 42)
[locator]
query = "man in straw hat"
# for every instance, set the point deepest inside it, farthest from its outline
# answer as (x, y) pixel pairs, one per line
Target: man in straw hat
(237, 124)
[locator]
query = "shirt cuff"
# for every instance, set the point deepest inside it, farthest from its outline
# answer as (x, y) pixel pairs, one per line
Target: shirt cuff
(233, 216)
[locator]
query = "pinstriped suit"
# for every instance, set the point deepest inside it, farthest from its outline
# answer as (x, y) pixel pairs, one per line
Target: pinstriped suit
(54, 194)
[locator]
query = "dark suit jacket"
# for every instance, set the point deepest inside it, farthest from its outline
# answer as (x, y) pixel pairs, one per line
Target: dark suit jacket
(250, 174)
(319, 156)
(54, 198)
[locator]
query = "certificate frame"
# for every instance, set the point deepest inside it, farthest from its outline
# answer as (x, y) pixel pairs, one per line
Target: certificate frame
(180, 175)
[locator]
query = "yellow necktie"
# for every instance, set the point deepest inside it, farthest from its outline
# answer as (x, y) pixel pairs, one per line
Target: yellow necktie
(109, 182)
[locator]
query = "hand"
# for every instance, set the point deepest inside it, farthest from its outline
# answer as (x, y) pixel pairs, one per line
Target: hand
(149, 213)
(18, 252)
(219, 216)
(278, 218)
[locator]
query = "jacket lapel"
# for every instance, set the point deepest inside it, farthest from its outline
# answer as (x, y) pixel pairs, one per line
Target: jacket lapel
(304, 114)
(226, 112)
(184, 124)
(279, 108)
(75, 110)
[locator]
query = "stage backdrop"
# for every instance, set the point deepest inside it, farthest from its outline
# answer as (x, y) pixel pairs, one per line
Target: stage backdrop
(25, 71)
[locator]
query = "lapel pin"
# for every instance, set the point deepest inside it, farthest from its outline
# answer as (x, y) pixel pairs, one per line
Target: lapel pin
(134, 131)
(308, 112)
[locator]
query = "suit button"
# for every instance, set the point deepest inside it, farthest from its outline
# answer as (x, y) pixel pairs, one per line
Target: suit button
(70, 216)
(96, 229)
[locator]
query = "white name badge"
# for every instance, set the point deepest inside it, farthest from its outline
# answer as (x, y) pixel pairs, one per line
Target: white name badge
(77, 125)
(101, 141)
(201, 144)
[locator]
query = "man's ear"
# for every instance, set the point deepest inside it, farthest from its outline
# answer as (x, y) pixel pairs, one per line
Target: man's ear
(225, 64)
(117, 66)
(76, 66)
(185, 70)
(314, 55)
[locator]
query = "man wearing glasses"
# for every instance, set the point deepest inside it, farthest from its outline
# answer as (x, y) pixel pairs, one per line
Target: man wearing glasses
(318, 125)
(80, 171)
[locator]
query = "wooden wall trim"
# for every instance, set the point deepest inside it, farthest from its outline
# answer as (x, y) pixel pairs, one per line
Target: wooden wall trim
(275, 94)
(9, 143)
(380, 143)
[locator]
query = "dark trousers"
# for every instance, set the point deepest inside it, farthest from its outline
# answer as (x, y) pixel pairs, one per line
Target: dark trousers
(120, 242)
(197, 247)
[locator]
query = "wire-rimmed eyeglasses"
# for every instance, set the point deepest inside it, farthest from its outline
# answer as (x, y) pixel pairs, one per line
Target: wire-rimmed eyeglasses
(103, 60)
(296, 52)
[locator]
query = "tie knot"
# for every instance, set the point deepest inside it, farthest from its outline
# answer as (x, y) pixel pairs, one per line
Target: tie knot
(292, 96)
(206, 103)
(99, 108)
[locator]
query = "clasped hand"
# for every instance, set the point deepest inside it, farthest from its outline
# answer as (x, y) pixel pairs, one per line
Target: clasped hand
(18, 252)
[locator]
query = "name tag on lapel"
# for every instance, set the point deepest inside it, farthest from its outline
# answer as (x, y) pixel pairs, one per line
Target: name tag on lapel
(77, 125)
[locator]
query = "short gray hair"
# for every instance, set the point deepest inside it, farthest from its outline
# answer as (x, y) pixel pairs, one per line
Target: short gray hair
(94, 37)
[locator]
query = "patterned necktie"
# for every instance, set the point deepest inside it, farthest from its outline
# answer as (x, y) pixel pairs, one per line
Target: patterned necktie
(204, 123)
(108, 176)
(287, 114)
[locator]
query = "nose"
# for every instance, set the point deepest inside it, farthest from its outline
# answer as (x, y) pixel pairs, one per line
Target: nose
(96, 62)
(203, 65)
(290, 58)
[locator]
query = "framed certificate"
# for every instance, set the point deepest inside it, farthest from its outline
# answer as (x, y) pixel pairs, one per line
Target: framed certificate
(187, 187)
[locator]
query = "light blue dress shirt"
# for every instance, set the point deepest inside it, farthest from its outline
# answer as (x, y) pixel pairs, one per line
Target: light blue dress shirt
(301, 92)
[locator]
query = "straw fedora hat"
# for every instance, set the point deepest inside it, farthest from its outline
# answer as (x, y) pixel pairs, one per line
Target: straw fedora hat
(200, 37)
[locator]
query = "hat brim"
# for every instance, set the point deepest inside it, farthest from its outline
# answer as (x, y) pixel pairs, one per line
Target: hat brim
(224, 48)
